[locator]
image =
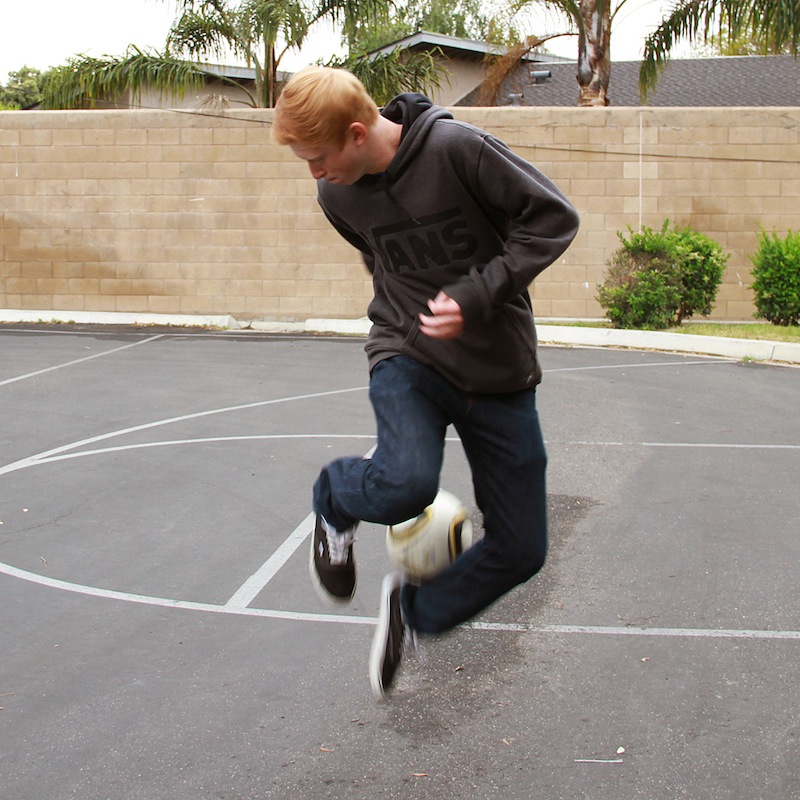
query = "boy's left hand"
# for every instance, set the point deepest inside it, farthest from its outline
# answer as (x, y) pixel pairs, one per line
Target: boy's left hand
(446, 320)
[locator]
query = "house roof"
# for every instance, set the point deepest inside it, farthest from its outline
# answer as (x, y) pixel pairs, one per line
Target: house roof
(452, 46)
(718, 81)
(702, 82)
(229, 71)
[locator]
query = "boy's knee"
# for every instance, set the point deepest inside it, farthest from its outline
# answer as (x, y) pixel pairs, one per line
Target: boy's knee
(524, 562)
(408, 501)
(529, 564)
(403, 497)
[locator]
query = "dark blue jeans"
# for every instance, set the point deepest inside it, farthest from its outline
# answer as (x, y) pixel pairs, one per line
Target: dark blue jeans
(503, 443)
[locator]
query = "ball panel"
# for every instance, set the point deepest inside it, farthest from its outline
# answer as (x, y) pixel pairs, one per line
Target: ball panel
(458, 536)
(405, 531)
(427, 544)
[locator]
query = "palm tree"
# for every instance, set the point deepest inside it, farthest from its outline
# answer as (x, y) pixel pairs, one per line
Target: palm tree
(387, 74)
(259, 32)
(204, 29)
(776, 23)
(591, 21)
(593, 18)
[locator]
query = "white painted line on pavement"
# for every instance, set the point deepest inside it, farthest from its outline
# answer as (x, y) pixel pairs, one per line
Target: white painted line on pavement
(500, 627)
(724, 446)
(701, 633)
(47, 454)
(699, 445)
(201, 440)
(79, 360)
(709, 360)
(250, 589)
(166, 602)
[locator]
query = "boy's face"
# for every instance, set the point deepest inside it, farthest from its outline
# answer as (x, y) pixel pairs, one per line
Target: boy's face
(343, 165)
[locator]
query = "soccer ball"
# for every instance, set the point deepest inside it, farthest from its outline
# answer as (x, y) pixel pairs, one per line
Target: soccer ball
(424, 546)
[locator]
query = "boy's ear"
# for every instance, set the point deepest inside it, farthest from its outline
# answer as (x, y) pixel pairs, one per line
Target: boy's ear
(358, 130)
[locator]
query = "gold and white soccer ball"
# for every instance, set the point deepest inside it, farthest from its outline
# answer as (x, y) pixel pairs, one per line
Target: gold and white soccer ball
(426, 545)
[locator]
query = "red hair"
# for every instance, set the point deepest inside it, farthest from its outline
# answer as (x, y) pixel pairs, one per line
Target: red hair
(318, 105)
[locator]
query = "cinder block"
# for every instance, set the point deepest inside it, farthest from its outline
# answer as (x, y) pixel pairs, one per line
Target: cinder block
(67, 302)
(137, 200)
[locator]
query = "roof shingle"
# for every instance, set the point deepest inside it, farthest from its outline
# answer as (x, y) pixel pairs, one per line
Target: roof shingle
(718, 81)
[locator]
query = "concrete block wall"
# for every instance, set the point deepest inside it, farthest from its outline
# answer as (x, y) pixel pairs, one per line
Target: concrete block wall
(181, 212)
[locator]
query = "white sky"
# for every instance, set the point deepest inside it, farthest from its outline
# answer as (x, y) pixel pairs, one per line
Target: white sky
(46, 33)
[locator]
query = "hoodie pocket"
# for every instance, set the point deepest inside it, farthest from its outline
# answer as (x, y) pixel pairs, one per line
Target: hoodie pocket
(499, 356)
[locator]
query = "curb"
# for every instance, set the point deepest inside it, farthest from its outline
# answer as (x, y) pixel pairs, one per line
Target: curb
(740, 349)
(119, 318)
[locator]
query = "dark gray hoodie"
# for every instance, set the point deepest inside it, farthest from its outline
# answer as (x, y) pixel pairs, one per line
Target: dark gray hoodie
(455, 211)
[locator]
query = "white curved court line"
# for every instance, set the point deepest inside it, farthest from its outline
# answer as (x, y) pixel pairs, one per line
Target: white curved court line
(502, 627)
(166, 602)
(200, 440)
(250, 589)
(30, 460)
(239, 602)
(45, 459)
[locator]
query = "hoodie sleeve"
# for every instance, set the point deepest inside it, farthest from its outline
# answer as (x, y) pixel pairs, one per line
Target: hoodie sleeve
(534, 219)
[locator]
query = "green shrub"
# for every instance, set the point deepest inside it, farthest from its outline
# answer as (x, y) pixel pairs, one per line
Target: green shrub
(701, 264)
(639, 292)
(777, 278)
(658, 278)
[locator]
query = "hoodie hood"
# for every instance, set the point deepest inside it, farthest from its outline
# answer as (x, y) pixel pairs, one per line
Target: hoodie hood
(416, 113)
(406, 108)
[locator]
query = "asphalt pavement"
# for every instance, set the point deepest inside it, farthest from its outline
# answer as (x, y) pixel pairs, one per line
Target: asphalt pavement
(161, 639)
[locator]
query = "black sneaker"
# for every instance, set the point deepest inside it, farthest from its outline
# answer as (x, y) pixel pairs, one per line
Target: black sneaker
(392, 637)
(331, 564)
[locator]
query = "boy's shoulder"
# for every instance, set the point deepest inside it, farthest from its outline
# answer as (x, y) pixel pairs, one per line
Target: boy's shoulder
(458, 127)
(457, 133)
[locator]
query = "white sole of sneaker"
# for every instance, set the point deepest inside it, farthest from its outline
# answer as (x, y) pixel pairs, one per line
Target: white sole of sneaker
(377, 650)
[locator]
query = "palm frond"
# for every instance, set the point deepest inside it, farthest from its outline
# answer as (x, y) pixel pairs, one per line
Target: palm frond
(201, 35)
(773, 21)
(220, 6)
(568, 9)
(84, 80)
(778, 22)
(270, 20)
(350, 14)
(683, 22)
(501, 67)
(396, 72)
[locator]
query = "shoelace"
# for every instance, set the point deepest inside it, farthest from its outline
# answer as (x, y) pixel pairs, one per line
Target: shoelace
(411, 648)
(338, 546)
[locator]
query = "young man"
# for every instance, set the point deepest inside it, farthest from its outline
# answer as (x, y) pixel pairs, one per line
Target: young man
(453, 227)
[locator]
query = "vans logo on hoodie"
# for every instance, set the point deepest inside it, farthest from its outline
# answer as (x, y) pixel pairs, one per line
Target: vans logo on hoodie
(433, 241)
